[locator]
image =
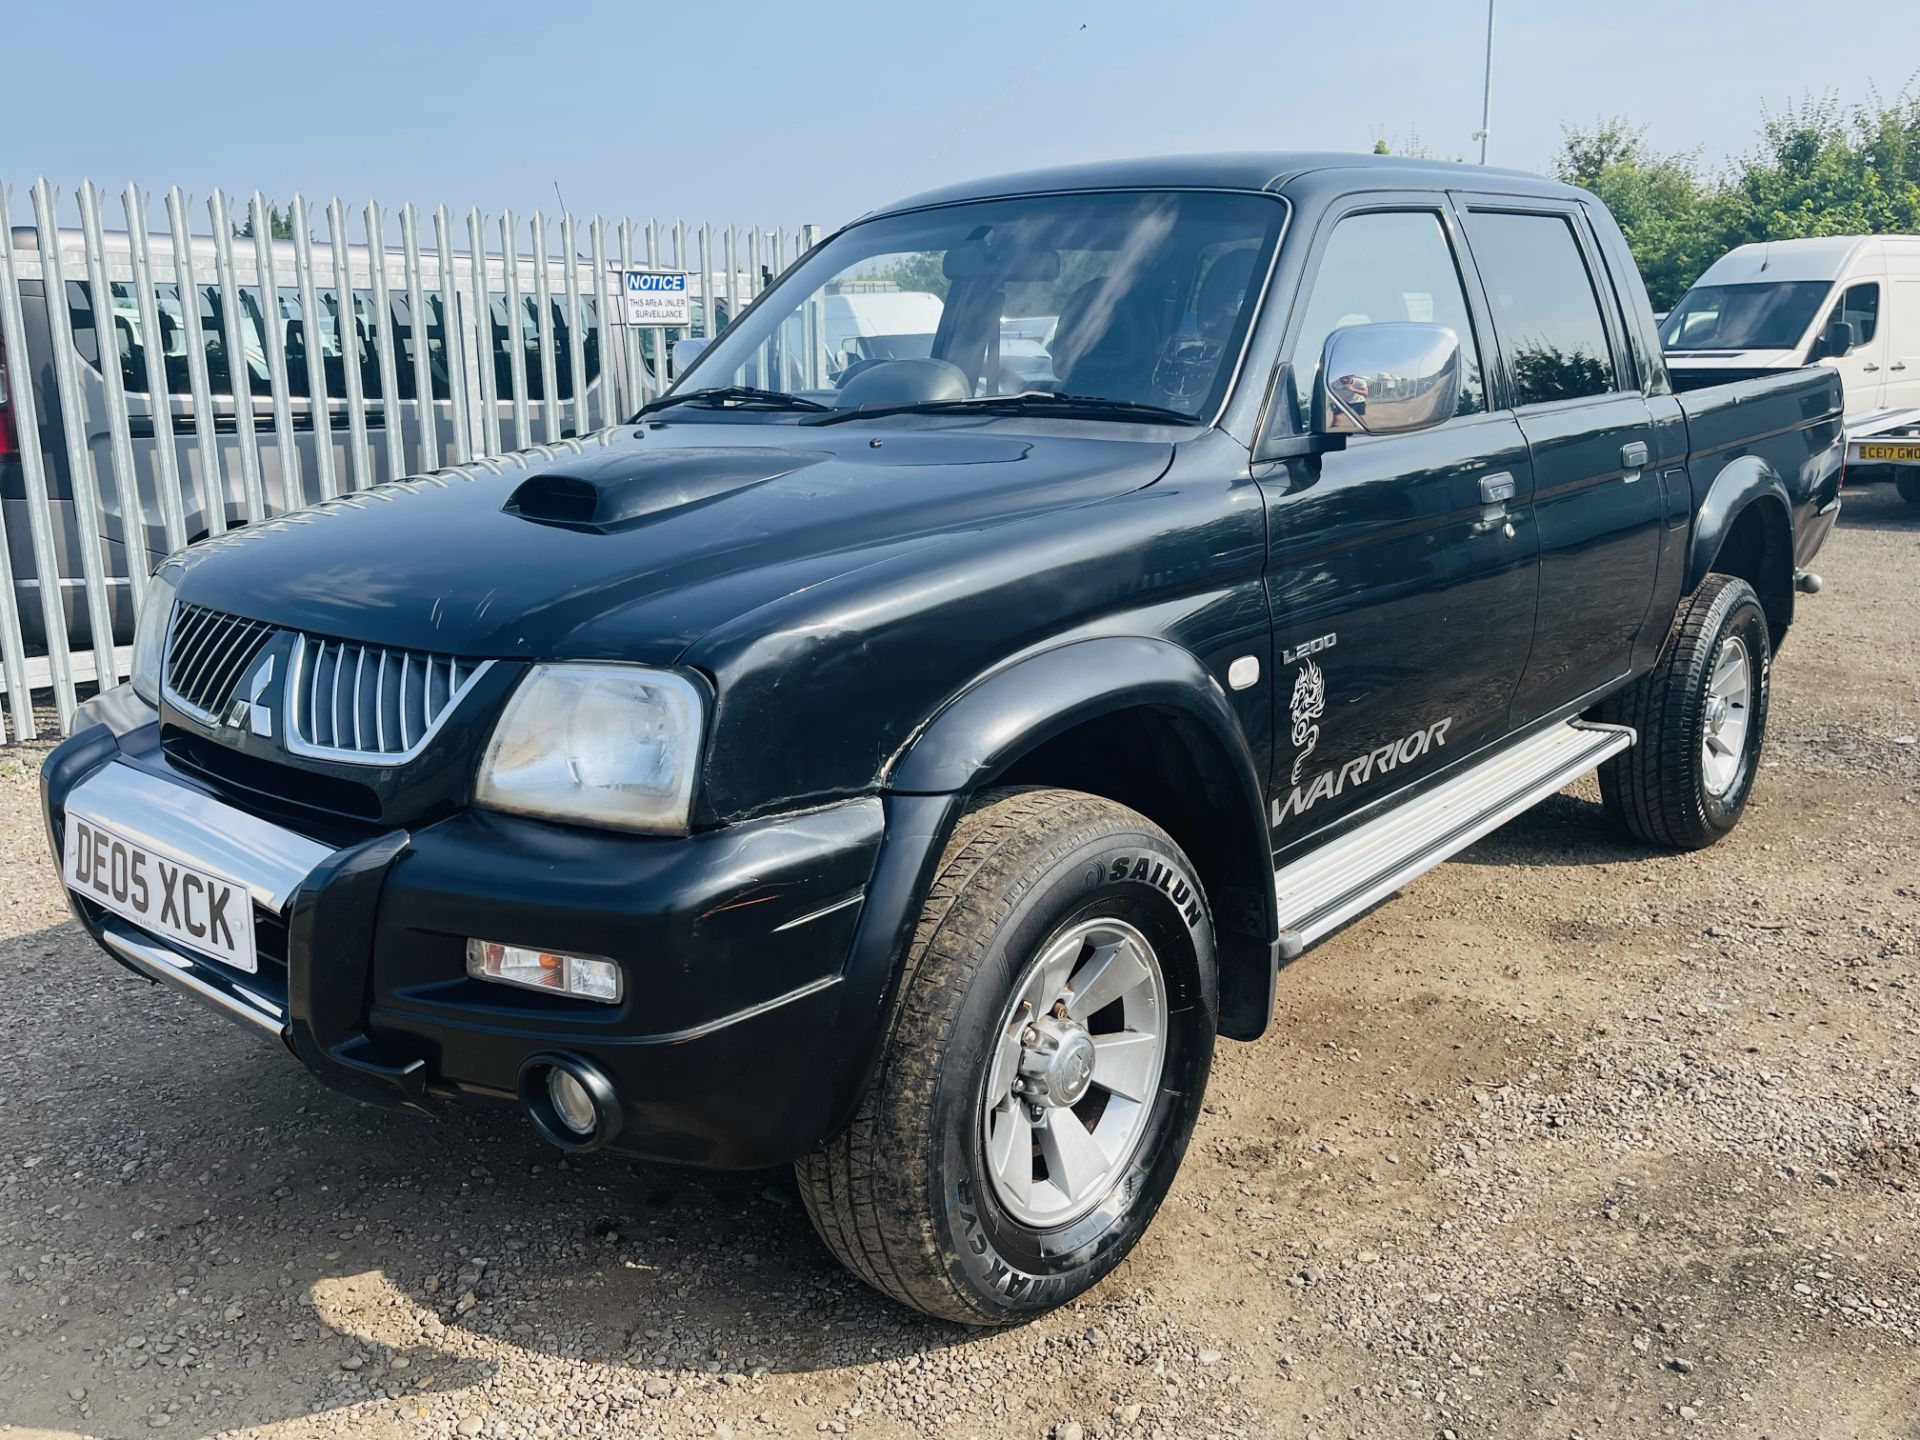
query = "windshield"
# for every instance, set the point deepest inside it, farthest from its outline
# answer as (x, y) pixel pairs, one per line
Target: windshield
(1744, 317)
(1136, 299)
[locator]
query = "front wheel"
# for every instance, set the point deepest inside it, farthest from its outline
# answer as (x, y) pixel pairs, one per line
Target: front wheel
(1055, 1031)
(1701, 717)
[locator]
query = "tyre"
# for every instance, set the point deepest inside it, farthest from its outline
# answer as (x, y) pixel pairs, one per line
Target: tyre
(1701, 716)
(1907, 479)
(1053, 1036)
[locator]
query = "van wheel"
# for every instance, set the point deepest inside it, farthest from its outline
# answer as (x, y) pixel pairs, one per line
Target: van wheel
(1701, 715)
(1054, 1033)
(1906, 479)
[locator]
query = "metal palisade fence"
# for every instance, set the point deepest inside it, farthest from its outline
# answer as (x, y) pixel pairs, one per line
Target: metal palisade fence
(161, 384)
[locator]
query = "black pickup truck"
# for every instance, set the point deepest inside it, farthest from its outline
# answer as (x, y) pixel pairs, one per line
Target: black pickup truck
(901, 755)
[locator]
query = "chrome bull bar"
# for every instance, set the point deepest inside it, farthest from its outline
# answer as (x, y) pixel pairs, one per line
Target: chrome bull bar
(270, 861)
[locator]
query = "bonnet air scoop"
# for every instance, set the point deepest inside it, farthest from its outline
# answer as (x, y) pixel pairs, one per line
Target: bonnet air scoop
(611, 491)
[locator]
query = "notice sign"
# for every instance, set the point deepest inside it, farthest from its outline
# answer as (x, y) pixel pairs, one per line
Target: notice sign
(657, 297)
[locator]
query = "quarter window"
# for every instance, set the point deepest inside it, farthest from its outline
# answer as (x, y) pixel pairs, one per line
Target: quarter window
(1390, 265)
(1545, 307)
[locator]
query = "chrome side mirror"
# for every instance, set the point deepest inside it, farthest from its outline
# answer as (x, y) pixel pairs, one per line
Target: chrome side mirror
(1386, 379)
(685, 352)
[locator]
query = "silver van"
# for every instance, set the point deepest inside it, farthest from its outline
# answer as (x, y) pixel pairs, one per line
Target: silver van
(283, 322)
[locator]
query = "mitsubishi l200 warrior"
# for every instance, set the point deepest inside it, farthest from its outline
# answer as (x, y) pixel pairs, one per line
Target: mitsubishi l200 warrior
(906, 765)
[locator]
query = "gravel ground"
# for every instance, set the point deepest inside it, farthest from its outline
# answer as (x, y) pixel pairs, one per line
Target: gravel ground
(1570, 1139)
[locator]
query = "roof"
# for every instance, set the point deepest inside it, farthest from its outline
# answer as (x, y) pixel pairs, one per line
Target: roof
(1270, 171)
(1820, 258)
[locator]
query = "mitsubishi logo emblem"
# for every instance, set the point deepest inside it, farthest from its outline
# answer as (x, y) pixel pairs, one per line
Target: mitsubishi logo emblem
(248, 708)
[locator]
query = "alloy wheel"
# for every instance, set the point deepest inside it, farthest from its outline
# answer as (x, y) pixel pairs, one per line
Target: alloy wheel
(1074, 1072)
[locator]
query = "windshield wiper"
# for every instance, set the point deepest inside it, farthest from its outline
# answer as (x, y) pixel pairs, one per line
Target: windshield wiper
(732, 397)
(1023, 402)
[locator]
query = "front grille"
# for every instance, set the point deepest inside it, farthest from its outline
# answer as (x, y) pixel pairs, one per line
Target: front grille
(368, 705)
(207, 653)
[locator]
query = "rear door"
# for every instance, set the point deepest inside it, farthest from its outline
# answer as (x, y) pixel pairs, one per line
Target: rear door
(1403, 596)
(1590, 432)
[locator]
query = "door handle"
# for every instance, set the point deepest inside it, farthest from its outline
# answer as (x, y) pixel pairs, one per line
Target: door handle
(1495, 490)
(1633, 455)
(1868, 368)
(1898, 365)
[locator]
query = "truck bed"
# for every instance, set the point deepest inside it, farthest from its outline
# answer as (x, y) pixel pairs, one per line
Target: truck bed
(1781, 423)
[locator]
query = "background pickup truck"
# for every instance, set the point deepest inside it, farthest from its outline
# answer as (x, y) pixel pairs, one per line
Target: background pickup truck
(909, 778)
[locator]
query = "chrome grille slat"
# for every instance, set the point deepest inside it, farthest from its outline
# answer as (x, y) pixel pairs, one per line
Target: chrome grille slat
(187, 623)
(341, 725)
(233, 653)
(380, 704)
(406, 730)
(353, 705)
(208, 651)
(370, 705)
(194, 660)
(189, 646)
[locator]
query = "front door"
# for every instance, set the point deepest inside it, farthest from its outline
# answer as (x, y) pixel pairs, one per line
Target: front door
(1403, 598)
(1863, 369)
(1597, 459)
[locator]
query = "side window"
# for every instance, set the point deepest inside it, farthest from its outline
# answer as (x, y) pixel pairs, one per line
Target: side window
(1860, 307)
(1544, 305)
(1386, 266)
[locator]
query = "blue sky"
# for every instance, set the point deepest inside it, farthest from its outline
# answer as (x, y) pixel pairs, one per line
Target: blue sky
(778, 113)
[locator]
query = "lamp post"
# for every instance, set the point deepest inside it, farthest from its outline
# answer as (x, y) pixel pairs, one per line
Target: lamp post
(1486, 91)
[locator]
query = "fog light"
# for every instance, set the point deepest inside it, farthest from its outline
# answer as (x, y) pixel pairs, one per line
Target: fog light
(570, 1100)
(581, 976)
(571, 1103)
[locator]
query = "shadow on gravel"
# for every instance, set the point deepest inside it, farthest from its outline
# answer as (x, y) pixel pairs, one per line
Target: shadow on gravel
(199, 1210)
(1561, 830)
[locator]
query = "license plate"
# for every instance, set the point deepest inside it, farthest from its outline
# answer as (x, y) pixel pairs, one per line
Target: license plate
(1889, 452)
(190, 906)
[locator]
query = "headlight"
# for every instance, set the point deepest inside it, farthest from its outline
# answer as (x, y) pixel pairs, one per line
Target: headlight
(612, 745)
(150, 633)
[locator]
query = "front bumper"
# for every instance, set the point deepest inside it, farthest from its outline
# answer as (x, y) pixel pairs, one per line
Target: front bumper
(740, 1041)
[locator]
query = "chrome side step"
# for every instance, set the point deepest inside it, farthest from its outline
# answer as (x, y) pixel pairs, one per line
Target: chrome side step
(1326, 889)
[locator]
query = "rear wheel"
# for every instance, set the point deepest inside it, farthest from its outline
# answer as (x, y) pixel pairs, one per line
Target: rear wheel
(1701, 716)
(1907, 479)
(1054, 1036)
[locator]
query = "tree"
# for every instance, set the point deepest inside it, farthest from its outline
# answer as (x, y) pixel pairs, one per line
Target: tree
(1413, 149)
(1661, 202)
(919, 272)
(278, 226)
(1820, 168)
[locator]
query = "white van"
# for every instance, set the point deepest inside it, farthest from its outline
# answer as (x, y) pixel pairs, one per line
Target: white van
(1849, 301)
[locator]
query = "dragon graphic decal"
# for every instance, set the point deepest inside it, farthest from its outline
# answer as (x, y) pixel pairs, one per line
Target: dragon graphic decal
(1309, 703)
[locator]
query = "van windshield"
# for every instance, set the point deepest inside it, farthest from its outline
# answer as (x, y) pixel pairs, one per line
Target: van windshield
(1744, 317)
(1135, 299)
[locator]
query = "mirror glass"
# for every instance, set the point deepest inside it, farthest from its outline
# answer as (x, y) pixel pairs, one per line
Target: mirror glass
(1386, 379)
